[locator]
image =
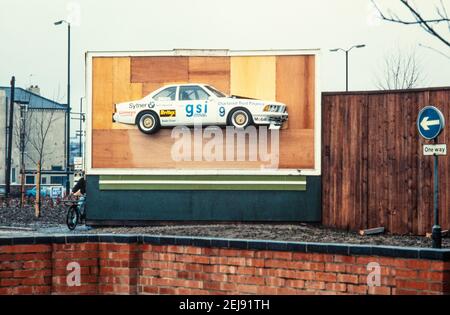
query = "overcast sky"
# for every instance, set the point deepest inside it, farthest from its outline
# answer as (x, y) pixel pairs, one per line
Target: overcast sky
(34, 50)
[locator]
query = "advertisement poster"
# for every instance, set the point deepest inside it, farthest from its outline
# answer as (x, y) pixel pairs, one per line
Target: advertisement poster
(209, 112)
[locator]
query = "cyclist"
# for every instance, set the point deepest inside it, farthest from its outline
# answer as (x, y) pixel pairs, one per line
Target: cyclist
(80, 187)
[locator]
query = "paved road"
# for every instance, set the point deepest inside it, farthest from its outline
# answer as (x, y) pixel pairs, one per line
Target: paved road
(52, 230)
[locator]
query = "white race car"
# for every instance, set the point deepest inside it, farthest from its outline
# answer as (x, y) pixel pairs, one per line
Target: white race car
(191, 104)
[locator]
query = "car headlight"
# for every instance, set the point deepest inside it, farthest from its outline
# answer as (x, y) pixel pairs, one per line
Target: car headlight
(271, 108)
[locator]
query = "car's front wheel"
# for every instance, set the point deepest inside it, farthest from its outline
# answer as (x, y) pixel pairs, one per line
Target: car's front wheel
(240, 118)
(148, 122)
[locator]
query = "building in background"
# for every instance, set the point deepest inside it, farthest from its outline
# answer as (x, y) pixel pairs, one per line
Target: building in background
(75, 149)
(41, 122)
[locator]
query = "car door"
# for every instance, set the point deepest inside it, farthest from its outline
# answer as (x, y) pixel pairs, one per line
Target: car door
(193, 102)
(166, 106)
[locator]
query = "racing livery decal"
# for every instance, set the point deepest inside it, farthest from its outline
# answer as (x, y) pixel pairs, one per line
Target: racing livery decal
(167, 113)
(197, 103)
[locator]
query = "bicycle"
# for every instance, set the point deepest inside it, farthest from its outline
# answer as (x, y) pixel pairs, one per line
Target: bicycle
(76, 212)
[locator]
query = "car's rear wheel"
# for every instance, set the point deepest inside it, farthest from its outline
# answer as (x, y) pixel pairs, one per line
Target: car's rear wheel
(240, 118)
(148, 122)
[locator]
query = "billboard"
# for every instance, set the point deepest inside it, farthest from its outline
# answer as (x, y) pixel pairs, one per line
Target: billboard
(203, 112)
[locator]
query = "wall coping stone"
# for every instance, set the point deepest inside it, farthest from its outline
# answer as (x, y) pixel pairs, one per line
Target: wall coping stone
(247, 244)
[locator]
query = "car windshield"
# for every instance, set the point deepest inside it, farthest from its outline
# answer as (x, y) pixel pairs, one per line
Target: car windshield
(216, 92)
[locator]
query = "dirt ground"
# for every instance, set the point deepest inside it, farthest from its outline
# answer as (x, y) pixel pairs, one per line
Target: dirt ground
(12, 214)
(53, 221)
(280, 232)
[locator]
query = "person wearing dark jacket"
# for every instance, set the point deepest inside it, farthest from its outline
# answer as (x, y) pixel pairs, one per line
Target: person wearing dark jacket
(80, 187)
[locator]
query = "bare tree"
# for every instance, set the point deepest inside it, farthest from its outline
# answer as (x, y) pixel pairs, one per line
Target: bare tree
(430, 25)
(22, 122)
(41, 121)
(22, 130)
(36, 126)
(400, 70)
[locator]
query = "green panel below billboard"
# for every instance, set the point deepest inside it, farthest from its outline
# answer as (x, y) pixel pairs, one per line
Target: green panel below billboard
(195, 203)
(202, 182)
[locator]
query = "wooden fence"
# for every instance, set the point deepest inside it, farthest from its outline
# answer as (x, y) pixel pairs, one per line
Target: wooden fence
(374, 172)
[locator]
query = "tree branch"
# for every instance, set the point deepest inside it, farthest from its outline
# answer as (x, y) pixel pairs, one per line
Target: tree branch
(419, 20)
(401, 71)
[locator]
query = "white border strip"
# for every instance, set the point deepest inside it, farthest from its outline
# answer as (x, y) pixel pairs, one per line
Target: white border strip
(164, 171)
(203, 52)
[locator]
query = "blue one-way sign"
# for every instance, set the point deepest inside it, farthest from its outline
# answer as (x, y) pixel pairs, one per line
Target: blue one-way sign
(430, 122)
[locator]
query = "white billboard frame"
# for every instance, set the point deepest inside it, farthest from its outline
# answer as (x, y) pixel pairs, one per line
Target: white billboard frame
(316, 171)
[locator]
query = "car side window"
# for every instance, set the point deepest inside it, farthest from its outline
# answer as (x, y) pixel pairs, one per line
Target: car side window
(166, 94)
(192, 93)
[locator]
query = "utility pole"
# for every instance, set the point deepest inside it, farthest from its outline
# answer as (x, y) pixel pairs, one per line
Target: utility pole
(9, 143)
(68, 113)
(79, 132)
(68, 107)
(81, 126)
(6, 131)
(346, 70)
(37, 203)
(23, 110)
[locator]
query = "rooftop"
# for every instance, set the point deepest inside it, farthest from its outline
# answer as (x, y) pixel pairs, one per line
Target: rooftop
(35, 101)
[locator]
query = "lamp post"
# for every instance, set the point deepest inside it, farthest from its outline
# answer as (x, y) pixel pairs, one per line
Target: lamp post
(68, 107)
(346, 60)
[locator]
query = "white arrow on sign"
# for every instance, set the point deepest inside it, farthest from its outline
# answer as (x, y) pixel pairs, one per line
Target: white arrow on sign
(425, 123)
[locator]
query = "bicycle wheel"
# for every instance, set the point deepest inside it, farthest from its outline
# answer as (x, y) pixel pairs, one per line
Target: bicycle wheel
(72, 217)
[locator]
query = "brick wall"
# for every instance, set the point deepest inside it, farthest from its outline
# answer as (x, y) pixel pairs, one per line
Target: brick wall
(135, 268)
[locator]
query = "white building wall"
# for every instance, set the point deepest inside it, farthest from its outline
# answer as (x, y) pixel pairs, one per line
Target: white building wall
(2, 136)
(54, 143)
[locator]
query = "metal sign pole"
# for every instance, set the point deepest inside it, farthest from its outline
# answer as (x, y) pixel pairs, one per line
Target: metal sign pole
(436, 234)
(430, 123)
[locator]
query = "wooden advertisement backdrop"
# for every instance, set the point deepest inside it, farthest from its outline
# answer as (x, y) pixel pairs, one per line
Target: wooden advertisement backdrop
(289, 79)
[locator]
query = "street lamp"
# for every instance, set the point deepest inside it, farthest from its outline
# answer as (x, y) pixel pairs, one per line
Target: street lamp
(68, 107)
(346, 60)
